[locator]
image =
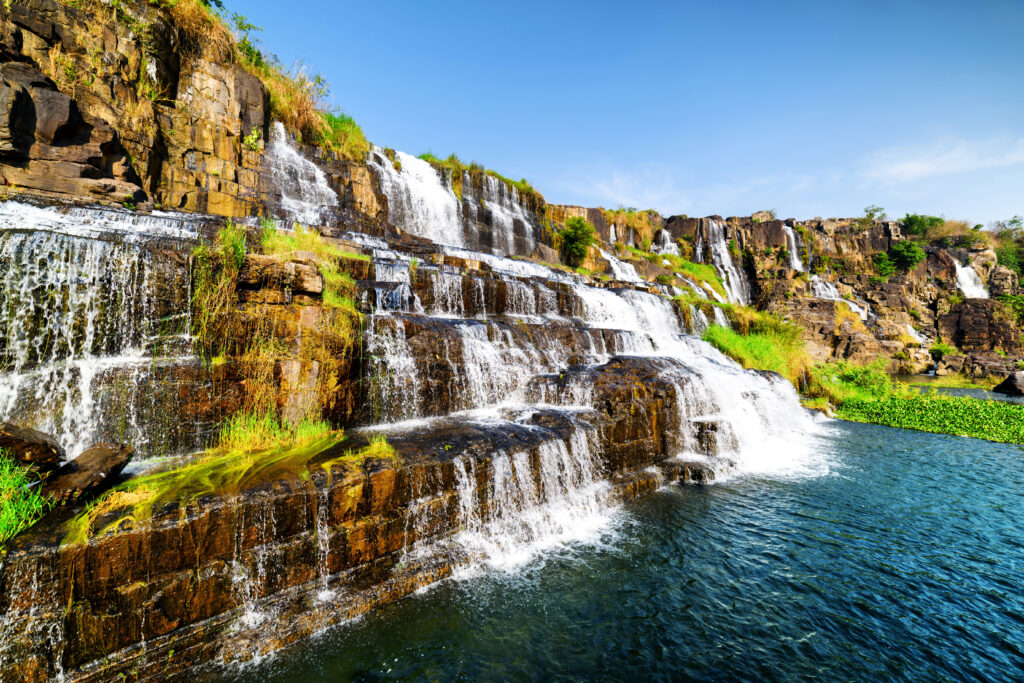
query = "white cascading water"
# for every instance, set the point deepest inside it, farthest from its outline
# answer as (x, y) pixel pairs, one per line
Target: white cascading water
(524, 508)
(823, 289)
(621, 271)
(915, 335)
(306, 196)
(793, 247)
(732, 277)
(513, 228)
(418, 201)
(492, 364)
(78, 313)
(969, 282)
(663, 244)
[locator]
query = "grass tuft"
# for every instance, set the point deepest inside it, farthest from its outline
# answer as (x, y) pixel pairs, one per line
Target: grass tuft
(21, 504)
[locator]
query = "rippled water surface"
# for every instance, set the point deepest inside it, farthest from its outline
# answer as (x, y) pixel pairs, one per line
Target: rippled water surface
(905, 561)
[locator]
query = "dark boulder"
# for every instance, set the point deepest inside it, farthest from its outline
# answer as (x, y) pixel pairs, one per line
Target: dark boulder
(91, 472)
(31, 447)
(1012, 385)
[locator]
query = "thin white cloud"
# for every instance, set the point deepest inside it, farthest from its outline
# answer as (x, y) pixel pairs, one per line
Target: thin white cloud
(663, 188)
(951, 155)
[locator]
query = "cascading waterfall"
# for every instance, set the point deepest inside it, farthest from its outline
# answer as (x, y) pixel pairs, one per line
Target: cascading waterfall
(733, 278)
(969, 282)
(823, 289)
(915, 335)
(525, 506)
(513, 229)
(418, 202)
(87, 324)
(664, 244)
(305, 194)
(793, 246)
(621, 271)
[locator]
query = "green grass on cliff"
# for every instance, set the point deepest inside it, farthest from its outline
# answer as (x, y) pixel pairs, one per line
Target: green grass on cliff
(770, 348)
(339, 287)
(21, 504)
(456, 167)
(701, 273)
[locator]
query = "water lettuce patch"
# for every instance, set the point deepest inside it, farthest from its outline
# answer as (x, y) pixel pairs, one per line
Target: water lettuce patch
(958, 415)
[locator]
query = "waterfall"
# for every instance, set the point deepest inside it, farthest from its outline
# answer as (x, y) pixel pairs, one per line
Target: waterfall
(513, 230)
(418, 201)
(527, 507)
(663, 244)
(969, 282)
(305, 194)
(733, 278)
(823, 289)
(915, 335)
(621, 271)
(794, 249)
(88, 325)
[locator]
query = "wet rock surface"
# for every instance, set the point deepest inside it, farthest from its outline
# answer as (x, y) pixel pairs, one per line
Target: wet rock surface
(31, 447)
(93, 471)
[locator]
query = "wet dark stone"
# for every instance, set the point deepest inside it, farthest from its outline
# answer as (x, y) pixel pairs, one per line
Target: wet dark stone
(94, 470)
(31, 447)
(1012, 385)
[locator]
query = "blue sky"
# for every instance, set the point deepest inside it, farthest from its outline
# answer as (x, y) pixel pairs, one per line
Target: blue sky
(811, 108)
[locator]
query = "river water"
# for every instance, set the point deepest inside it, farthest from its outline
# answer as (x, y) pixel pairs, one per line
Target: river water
(899, 558)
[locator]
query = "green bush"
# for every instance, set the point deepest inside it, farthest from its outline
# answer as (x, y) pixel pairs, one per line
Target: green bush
(1016, 304)
(841, 381)
(940, 350)
(577, 236)
(21, 504)
(906, 255)
(1009, 256)
(918, 225)
(884, 265)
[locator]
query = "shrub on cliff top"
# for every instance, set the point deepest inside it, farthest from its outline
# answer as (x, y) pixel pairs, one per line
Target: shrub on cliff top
(906, 255)
(21, 504)
(577, 236)
(918, 225)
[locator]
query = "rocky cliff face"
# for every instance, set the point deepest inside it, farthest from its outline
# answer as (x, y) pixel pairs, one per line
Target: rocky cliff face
(120, 104)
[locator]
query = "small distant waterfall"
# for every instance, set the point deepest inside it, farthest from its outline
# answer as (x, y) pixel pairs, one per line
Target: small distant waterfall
(621, 271)
(969, 282)
(823, 289)
(87, 324)
(793, 247)
(733, 278)
(915, 335)
(305, 194)
(663, 244)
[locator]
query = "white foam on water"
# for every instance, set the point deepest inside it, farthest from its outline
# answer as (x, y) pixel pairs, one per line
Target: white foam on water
(525, 511)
